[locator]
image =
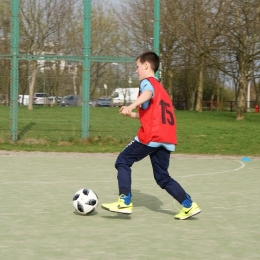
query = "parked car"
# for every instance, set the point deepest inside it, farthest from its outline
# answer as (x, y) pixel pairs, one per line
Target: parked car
(93, 103)
(41, 99)
(71, 100)
(53, 98)
(104, 102)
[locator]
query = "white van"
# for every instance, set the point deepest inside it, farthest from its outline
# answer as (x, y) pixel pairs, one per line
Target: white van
(24, 100)
(124, 96)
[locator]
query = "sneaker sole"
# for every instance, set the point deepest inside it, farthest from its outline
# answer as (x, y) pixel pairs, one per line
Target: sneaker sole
(122, 212)
(193, 214)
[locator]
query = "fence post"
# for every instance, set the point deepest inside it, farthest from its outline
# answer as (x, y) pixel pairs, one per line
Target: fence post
(156, 36)
(15, 6)
(86, 68)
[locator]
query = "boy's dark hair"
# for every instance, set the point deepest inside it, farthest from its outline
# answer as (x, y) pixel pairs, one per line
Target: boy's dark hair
(150, 57)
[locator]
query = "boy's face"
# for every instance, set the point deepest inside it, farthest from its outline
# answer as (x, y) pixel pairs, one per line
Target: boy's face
(141, 69)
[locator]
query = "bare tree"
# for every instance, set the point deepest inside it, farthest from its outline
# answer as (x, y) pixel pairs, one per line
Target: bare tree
(5, 49)
(104, 42)
(199, 25)
(241, 54)
(136, 27)
(41, 23)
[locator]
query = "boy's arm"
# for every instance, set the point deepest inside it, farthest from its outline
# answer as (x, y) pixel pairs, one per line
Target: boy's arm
(127, 110)
(134, 115)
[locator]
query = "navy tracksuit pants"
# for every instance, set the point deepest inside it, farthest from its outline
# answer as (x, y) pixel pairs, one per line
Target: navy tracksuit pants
(159, 157)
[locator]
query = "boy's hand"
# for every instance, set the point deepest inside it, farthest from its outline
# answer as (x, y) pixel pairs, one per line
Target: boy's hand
(126, 110)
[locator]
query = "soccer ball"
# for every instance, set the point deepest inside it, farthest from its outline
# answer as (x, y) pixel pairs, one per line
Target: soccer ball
(85, 201)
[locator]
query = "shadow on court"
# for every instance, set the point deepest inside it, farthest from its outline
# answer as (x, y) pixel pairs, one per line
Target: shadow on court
(150, 202)
(142, 199)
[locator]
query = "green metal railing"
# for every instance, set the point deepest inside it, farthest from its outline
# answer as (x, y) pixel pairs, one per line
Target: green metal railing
(86, 60)
(15, 4)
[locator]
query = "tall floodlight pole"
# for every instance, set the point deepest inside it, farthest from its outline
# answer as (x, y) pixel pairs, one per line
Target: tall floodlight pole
(156, 30)
(14, 68)
(86, 68)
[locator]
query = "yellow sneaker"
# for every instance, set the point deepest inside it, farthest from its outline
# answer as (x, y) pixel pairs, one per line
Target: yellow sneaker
(188, 212)
(119, 206)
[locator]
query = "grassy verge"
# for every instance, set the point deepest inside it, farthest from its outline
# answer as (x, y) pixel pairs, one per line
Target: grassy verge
(58, 129)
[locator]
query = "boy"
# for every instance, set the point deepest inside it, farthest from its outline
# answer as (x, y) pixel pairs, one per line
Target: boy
(156, 138)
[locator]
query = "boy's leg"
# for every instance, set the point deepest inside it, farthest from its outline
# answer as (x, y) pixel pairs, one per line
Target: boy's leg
(160, 162)
(134, 152)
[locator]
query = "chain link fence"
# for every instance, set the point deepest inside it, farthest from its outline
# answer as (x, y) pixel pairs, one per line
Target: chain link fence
(50, 89)
(66, 66)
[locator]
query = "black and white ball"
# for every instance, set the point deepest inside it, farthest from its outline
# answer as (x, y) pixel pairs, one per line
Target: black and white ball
(85, 201)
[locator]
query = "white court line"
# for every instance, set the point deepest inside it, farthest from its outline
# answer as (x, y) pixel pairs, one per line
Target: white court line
(180, 176)
(32, 213)
(49, 182)
(212, 173)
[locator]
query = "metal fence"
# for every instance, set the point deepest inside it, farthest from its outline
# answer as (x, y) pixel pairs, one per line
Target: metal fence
(57, 58)
(50, 80)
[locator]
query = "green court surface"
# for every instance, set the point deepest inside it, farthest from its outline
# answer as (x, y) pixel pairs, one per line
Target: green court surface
(38, 220)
